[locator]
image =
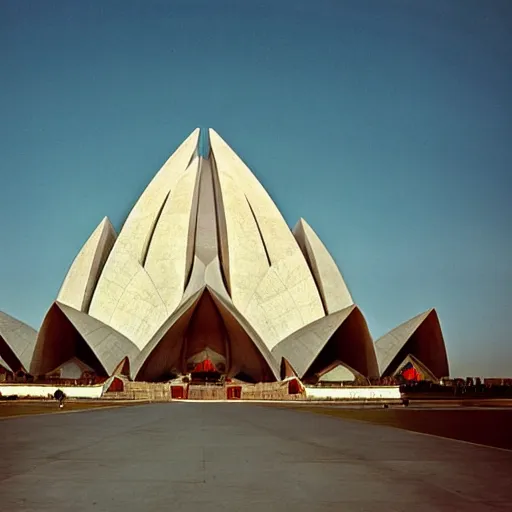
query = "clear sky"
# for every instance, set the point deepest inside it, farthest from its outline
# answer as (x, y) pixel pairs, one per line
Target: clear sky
(386, 124)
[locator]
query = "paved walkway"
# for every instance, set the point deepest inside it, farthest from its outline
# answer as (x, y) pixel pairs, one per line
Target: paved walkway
(239, 457)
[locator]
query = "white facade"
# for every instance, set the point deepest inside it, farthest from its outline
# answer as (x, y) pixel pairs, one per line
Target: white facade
(127, 297)
(205, 229)
(143, 280)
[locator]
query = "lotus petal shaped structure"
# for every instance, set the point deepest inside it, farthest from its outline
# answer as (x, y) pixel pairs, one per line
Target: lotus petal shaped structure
(206, 276)
(17, 343)
(67, 333)
(82, 278)
(419, 339)
(340, 336)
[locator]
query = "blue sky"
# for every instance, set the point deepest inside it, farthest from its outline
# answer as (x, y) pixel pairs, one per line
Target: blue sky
(387, 124)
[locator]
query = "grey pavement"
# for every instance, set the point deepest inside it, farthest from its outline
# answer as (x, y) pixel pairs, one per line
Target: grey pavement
(239, 457)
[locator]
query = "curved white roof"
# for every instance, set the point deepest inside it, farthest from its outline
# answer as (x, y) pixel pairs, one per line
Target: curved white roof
(80, 282)
(108, 346)
(20, 338)
(141, 285)
(302, 347)
(330, 282)
(268, 277)
(430, 343)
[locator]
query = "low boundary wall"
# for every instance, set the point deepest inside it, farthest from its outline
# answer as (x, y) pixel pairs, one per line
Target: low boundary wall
(162, 392)
(353, 393)
(43, 390)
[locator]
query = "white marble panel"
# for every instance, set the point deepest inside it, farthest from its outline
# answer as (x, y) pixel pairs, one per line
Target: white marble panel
(245, 250)
(140, 310)
(80, 282)
(333, 290)
(167, 259)
(287, 290)
(20, 338)
(117, 295)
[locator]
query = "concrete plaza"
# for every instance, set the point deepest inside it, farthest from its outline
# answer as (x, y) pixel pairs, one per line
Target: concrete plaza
(239, 456)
